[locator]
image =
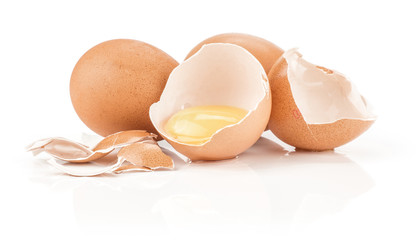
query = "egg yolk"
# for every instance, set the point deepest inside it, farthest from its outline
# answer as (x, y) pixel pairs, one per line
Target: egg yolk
(196, 125)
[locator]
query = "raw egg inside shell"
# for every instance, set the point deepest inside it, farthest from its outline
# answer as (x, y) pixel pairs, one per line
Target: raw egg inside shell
(215, 105)
(196, 125)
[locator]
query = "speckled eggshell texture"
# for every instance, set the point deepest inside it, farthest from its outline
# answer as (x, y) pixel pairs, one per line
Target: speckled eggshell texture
(288, 123)
(114, 83)
(218, 74)
(266, 52)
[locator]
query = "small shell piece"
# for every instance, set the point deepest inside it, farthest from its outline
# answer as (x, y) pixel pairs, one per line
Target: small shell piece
(218, 74)
(65, 150)
(105, 164)
(129, 167)
(124, 138)
(145, 154)
(315, 108)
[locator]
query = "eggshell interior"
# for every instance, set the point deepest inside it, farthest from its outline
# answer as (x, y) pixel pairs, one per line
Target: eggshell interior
(105, 164)
(218, 74)
(323, 95)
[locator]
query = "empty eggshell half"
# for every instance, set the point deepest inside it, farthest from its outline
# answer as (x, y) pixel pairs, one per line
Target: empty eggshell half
(315, 108)
(218, 74)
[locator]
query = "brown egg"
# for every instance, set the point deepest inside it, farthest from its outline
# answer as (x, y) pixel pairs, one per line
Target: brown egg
(114, 83)
(314, 108)
(266, 52)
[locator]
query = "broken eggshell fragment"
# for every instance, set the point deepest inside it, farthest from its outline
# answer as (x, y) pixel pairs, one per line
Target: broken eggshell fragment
(106, 164)
(218, 74)
(315, 108)
(145, 154)
(79, 160)
(70, 151)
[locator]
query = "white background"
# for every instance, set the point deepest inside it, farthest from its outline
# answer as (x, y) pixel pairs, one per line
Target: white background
(364, 190)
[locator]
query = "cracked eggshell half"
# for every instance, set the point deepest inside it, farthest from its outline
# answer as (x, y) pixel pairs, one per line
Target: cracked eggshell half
(218, 74)
(315, 108)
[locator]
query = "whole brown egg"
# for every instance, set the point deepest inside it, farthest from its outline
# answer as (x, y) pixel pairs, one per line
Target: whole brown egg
(114, 83)
(267, 53)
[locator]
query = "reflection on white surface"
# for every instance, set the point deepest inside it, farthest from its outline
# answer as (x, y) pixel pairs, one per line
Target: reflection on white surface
(304, 186)
(266, 186)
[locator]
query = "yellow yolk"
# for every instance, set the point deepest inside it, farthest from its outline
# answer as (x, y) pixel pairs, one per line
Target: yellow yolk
(196, 125)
